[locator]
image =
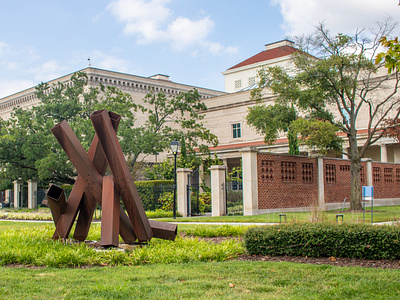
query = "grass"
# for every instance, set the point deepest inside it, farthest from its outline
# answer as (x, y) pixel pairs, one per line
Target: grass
(33, 246)
(185, 269)
(381, 214)
(44, 214)
(199, 280)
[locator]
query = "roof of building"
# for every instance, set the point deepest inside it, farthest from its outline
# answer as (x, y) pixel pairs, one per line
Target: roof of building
(268, 54)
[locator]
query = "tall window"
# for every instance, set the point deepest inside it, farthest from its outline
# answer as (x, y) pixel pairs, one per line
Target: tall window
(236, 131)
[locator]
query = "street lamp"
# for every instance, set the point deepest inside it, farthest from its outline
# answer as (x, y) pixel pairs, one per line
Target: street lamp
(175, 148)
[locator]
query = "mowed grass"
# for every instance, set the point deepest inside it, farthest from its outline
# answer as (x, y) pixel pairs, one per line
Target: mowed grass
(185, 269)
(201, 280)
(380, 214)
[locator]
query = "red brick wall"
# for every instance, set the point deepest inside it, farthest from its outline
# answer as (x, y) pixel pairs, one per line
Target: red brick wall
(286, 181)
(386, 180)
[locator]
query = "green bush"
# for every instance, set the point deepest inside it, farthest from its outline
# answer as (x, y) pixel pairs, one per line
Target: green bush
(325, 240)
(161, 214)
(151, 191)
(167, 201)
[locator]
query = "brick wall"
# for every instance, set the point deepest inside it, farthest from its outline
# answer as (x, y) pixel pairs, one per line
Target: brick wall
(286, 181)
(386, 180)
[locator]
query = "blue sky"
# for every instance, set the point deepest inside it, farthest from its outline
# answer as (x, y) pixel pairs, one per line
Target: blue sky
(191, 41)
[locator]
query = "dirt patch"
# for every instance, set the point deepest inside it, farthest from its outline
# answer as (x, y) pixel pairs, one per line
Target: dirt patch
(334, 261)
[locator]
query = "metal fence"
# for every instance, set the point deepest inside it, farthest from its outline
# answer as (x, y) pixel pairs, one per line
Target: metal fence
(151, 195)
(234, 198)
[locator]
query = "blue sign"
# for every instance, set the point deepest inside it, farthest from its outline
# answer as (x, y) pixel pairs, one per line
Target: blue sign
(368, 191)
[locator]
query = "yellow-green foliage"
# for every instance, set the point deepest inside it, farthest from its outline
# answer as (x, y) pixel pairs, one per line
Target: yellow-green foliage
(34, 246)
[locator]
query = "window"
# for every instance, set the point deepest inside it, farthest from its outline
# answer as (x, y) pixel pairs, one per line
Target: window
(236, 131)
(252, 80)
(238, 84)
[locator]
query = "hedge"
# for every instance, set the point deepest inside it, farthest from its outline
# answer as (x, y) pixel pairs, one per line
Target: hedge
(325, 240)
(149, 191)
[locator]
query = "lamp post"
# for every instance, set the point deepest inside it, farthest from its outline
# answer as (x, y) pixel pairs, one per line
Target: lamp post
(175, 148)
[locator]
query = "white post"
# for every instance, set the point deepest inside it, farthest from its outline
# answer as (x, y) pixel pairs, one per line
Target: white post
(17, 192)
(7, 196)
(181, 188)
(321, 187)
(370, 181)
(218, 194)
(396, 154)
(384, 157)
(32, 194)
(250, 181)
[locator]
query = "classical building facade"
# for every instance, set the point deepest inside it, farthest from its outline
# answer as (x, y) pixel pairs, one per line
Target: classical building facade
(227, 110)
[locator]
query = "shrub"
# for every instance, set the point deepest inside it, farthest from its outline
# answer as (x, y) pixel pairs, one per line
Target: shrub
(206, 197)
(151, 191)
(325, 240)
(161, 214)
(167, 201)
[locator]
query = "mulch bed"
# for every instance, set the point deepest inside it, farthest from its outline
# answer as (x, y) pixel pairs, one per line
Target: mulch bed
(333, 261)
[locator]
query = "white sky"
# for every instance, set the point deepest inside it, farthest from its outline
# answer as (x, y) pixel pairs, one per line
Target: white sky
(192, 41)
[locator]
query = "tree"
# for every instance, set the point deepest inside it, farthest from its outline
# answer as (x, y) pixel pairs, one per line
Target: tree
(391, 59)
(268, 120)
(319, 136)
(28, 149)
(170, 118)
(339, 73)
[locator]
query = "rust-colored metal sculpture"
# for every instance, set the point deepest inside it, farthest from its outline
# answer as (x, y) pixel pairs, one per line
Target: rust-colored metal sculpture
(92, 187)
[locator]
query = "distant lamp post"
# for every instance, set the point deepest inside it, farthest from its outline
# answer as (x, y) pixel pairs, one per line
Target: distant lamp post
(175, 148)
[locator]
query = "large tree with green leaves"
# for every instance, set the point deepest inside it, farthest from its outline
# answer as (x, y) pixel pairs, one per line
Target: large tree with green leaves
(28, 150)
(338, 74)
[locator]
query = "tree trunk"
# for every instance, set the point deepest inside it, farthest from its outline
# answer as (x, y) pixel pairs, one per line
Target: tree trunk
(355, 174)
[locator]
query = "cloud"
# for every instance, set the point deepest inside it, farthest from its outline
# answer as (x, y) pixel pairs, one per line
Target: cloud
(9, 87)
(46, 71)
(3, 47)
(152, 21)
(108, 62)
(340, 16)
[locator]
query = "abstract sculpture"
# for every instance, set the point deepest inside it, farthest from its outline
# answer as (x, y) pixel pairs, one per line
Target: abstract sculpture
(92, 187)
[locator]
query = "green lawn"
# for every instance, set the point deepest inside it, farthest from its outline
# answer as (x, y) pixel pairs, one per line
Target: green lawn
(185, 269)
(381, 214)
(211, 280)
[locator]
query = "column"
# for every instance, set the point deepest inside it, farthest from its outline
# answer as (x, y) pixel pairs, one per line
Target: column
(320, 180)
(7, 196)
(344, 155)
(181, 189)
(32, 194)
(384, 157)
(218, 190)
(369, 171)
(250, 181)
(396, 154)
(17, 192)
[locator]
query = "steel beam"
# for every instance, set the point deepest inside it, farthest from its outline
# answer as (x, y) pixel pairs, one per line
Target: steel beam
(122, 176)
(77, 201)
(163, 230)
(110, 214)
(92, 179)
(56, 198)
